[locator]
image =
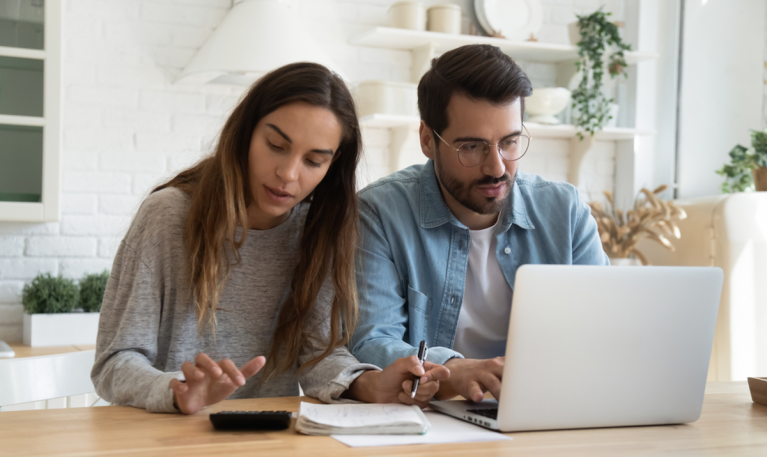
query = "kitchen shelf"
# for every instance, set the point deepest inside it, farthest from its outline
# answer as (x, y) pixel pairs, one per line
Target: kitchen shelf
(22, 120)
(402, 127)
(424, 46)
(564, 131)
(22, 53)
(409, 40)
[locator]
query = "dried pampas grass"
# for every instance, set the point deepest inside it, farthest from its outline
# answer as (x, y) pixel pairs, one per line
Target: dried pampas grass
(650, 218)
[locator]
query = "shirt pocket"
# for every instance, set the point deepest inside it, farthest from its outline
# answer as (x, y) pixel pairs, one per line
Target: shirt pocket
(418, 301)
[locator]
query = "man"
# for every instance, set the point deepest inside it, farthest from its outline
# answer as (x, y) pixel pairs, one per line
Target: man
(440, 243)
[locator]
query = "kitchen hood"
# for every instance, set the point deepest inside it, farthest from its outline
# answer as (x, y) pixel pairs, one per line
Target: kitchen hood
(255, 37)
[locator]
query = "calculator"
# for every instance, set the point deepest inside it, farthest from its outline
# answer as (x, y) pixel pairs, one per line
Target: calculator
(251, 420)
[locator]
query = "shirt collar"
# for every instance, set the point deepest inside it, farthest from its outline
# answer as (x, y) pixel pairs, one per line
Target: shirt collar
(435, 212)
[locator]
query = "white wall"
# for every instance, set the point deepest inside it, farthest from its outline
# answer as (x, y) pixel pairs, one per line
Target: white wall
(721, 89)
(126, 125)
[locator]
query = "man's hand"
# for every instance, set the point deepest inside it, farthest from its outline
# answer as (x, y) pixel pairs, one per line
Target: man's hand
(393, 384)
(471, 378)
(209, 382)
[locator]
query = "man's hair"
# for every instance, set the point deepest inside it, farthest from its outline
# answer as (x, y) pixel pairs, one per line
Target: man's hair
(478, 71)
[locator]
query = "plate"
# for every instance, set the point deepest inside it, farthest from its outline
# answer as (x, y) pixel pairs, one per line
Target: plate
(515, 19)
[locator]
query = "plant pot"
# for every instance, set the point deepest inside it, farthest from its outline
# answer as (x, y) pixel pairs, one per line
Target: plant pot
(760, 178)
(574, 33)
(625, 262)
(64, 329)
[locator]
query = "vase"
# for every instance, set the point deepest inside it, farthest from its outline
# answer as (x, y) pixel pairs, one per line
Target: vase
(760, 178)
(625, 262)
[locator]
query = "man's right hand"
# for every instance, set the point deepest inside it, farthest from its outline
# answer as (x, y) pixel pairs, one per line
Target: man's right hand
(471, 378)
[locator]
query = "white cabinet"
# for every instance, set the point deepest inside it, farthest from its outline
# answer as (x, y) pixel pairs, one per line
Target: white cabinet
(30, 55)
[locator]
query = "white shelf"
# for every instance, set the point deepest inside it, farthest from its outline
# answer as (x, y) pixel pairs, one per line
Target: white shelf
(22, 52)
(404, 39)
(387, 121)
(567, 131)
(22, 120)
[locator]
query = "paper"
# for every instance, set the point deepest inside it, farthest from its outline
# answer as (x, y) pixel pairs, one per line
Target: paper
(444, 429)
(359, 415)
(360, 419)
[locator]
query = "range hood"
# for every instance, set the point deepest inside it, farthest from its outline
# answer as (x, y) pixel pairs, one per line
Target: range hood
(255, 37)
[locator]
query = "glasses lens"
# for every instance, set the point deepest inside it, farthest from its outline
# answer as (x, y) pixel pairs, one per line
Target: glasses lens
(515, 147)
(472, 153)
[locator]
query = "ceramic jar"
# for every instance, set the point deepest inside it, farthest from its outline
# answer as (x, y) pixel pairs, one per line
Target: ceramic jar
(387, 97)
(408, 15)
(444, 18)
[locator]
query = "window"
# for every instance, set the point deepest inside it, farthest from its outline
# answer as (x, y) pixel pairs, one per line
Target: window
(30, 134)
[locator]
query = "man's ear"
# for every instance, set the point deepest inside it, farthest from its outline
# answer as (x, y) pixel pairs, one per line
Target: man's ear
(426, 138)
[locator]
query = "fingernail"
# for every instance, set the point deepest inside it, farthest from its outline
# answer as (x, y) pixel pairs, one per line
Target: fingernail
(240, 380)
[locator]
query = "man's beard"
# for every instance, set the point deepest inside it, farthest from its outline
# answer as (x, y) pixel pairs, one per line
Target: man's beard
(462, 192)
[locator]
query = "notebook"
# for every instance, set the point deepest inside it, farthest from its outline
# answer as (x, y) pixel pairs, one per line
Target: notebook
(361, 419)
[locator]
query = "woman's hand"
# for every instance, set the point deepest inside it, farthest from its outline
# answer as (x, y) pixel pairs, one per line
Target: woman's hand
(209, 382)
(393, 384)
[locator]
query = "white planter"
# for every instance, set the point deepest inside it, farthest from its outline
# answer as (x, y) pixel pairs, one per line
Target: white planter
(60, 329)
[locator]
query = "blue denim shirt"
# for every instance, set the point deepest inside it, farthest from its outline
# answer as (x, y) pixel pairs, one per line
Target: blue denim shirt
(413, 254)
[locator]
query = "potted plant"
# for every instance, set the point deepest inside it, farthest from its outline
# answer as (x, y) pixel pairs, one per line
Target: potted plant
(590, 106)
(650, 218)
(747, 170)
(56, 315)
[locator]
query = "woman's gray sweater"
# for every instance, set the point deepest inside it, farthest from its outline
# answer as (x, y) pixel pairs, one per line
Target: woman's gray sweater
(148, 326)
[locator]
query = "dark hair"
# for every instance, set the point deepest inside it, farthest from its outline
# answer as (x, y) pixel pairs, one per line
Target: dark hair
(479, 71)
(220, 194)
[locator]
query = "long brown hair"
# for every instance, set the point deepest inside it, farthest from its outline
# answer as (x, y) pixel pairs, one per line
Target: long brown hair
(220, 193)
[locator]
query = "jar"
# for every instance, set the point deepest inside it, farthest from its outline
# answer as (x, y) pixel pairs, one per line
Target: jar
(408, 15)
(445, 18)
(387, 97)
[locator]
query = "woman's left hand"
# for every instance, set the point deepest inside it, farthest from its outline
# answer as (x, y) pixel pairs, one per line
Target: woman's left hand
(393, 384)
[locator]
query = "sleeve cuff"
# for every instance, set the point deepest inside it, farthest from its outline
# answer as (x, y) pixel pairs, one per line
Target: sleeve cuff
(332, 392)
(160, 399)
(440, 355)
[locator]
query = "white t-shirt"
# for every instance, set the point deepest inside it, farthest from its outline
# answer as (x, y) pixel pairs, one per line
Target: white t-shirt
(483, 323)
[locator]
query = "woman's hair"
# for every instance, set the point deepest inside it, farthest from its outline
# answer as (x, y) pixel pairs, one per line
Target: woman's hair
(220, 194)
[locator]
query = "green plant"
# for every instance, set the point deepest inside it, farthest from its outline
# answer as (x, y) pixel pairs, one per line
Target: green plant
(92, 291)
(738, 174)
(590, 104)
(47, 294)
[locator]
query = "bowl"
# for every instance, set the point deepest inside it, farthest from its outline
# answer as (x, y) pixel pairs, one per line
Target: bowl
(546, 103)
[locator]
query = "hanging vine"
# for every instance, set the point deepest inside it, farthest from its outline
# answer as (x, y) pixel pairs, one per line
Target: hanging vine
(591, 106)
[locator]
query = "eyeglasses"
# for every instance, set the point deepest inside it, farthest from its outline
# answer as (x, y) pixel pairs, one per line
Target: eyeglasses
(473, 153)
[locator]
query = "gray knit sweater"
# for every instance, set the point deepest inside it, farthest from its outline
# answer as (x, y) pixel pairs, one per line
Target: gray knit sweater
(148, 326)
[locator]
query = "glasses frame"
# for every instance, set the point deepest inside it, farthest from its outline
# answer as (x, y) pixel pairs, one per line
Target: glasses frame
(458, 149)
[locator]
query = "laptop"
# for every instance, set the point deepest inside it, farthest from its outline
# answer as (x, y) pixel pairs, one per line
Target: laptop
(596, 346)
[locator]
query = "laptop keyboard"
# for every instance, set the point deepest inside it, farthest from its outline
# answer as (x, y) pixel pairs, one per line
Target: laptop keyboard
(492, 413)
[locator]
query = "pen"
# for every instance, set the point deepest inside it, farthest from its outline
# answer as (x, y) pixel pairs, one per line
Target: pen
(422, 350)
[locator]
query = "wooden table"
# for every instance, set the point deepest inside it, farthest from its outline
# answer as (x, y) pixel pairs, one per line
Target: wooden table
(28, 351)
(731, 425)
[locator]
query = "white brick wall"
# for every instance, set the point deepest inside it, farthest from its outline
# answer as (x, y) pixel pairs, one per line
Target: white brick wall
(126, 125)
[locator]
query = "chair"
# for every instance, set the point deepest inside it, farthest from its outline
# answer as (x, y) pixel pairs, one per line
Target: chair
(730, 232)
(45, 378)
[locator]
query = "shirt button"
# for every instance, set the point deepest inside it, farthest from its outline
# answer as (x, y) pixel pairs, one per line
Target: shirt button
(507, 250)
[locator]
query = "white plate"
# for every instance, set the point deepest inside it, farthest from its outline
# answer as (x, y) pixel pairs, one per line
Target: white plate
(515, 19)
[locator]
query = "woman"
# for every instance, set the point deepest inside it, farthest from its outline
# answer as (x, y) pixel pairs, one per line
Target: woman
(250, 252)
